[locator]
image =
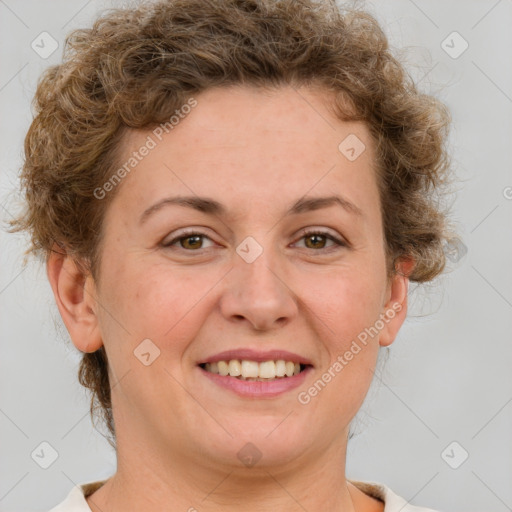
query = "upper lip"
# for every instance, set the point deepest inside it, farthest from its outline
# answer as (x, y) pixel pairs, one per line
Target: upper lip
(256, 355)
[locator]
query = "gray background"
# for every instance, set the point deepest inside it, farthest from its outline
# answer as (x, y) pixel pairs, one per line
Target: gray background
(448, 376)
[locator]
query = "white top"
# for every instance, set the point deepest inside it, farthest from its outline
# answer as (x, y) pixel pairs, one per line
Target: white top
(75, 501)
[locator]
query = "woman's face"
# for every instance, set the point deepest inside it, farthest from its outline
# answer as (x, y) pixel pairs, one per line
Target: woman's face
(180, 285)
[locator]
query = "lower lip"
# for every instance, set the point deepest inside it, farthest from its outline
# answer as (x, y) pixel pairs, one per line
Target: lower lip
(258, 389)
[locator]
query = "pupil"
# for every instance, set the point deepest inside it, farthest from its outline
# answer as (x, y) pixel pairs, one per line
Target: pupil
(196, 237)
(316, 237)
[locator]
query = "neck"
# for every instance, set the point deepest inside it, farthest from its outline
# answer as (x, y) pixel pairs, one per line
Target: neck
(146, 480)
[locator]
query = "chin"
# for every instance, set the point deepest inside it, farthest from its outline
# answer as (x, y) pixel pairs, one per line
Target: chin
(270, 443)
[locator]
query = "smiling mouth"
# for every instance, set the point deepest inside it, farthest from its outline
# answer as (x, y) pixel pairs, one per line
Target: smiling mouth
(255, 371)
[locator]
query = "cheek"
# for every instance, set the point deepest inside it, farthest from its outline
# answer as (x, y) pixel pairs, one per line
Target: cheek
(153, 301)
(347, 303)
(348, 299)
(165, 302)
(346, 315)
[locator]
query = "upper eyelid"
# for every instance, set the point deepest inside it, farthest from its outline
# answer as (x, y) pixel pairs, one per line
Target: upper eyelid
(188, 232)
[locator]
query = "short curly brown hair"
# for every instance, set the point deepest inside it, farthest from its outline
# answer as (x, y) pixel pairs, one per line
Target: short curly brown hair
(135, 67)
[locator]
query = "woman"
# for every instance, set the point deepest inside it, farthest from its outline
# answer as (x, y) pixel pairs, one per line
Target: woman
(232, 197)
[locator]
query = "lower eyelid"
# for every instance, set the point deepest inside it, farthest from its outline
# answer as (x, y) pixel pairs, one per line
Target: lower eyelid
(336, 241)
(181, 237)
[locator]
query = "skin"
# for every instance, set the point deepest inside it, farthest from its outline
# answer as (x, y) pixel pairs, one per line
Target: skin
(178, 434)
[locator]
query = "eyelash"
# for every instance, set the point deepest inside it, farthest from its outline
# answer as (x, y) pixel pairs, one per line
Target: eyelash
(190, 233)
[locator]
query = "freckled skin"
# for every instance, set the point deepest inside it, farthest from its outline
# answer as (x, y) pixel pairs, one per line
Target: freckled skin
(177, 433)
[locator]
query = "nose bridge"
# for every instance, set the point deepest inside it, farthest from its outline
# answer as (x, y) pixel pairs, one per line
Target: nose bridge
(258, 270)
(257, 290)
(261, 274)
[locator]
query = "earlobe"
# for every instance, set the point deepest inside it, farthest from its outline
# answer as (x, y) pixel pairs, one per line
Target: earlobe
(395, 309)
(75, 297)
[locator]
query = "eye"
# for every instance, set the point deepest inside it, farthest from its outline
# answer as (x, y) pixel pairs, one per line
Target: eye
(189, 240)
(193, 240)
(318, 239)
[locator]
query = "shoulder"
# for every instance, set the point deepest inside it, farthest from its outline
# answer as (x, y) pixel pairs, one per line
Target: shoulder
(392, 502)
(75, 500)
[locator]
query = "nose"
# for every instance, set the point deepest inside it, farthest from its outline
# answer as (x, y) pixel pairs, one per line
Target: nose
(259, 293)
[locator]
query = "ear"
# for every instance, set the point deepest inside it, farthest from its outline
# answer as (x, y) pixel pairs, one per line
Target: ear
(75, 296)
(395, 307)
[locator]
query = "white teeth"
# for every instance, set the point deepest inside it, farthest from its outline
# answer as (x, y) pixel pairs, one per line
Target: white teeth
(280, 368)
(223, 368)
(235, 368)
(267, 370)
(252, 370)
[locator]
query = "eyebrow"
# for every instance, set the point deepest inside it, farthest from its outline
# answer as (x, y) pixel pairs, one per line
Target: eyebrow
(212, 207)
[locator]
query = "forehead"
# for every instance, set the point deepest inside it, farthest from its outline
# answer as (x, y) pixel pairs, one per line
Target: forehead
(251, 146)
